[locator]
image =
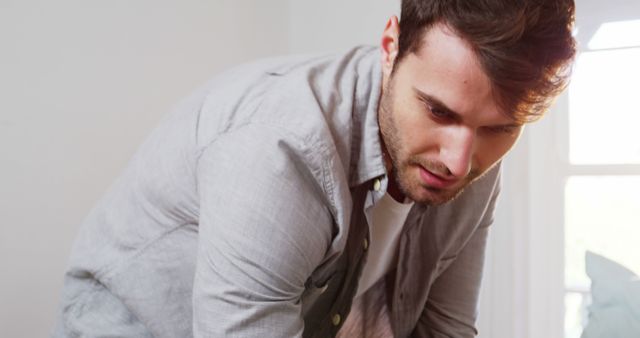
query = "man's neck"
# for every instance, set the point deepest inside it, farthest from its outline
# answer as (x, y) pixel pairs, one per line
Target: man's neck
(394, 190)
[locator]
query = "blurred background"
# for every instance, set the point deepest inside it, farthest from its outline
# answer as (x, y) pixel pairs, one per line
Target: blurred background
(83, 82)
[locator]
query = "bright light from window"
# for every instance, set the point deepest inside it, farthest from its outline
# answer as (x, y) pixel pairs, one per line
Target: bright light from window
(603, 111)
(616, 35)
(601, 216)
(601, 213)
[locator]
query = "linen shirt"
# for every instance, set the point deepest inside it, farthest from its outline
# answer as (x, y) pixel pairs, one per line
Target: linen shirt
(243, 215)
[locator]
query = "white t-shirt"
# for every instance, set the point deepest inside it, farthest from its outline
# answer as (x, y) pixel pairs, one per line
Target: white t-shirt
(386, 220)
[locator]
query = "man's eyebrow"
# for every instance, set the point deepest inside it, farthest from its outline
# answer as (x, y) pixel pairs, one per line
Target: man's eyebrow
(436, 103)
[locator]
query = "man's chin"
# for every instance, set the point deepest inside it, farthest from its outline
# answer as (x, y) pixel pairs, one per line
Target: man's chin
(426, 195)
(431, 196)
(414, 188)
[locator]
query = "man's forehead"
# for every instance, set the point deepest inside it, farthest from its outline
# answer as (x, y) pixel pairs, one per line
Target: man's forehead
(458, 55)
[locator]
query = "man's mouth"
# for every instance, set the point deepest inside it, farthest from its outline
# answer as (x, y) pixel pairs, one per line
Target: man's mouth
(435, 181)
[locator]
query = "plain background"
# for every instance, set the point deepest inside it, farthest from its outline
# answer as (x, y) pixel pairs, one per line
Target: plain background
(81, 85)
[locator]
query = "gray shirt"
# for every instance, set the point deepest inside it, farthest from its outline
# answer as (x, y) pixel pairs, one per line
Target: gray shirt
(242, 215)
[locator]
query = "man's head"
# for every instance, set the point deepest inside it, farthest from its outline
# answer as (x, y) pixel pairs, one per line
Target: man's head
(460, 78)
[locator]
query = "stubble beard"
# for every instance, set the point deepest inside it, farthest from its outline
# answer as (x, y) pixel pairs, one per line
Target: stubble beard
(412, 187)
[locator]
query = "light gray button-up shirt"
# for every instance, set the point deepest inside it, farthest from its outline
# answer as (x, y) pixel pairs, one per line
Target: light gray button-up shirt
(242, 215)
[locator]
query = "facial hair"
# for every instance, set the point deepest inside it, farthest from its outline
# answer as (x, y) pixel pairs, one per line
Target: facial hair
(392, 140)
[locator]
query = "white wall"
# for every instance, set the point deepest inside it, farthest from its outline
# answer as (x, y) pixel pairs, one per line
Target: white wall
(81, 84)
(334, 25)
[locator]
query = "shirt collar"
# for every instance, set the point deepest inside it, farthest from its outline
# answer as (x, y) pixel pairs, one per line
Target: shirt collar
(367, 162)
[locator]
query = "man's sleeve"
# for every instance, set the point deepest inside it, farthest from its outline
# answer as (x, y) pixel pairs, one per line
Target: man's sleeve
(264, 227)
(452, 307)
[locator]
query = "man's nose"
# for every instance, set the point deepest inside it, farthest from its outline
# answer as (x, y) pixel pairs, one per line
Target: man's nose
(457, 151)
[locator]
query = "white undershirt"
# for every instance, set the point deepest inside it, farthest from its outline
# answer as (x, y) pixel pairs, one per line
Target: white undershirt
(386, 220)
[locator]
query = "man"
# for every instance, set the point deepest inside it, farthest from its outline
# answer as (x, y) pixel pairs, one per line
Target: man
(341, 195)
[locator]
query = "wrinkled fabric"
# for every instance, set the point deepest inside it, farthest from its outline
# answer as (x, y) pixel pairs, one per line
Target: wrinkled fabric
(243, 215)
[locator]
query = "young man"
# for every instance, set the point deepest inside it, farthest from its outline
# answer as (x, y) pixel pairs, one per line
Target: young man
(344, 195)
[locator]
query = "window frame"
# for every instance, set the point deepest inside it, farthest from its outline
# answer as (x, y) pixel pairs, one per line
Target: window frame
(550, 168)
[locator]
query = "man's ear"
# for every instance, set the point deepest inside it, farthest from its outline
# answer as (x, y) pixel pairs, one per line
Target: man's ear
(389, 45)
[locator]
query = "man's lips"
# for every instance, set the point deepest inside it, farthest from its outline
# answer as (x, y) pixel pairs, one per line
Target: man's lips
(434, 180)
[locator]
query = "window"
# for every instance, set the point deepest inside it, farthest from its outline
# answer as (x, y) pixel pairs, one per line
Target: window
(571, 184)
(602, 172)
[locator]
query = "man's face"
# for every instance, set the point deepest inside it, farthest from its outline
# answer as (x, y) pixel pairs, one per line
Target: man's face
(439, 121)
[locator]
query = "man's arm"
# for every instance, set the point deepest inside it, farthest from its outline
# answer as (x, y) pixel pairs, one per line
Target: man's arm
(264, 227)
(451, 309)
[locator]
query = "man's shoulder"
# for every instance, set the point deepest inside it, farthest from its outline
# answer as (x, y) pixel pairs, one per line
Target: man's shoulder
(307, 97)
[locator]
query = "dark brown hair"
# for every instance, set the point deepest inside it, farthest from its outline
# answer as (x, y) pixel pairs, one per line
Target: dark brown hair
(524, 46)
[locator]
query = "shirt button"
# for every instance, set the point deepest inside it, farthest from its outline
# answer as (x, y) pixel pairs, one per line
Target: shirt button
(365, 244)
(336, 319)
(376, 184)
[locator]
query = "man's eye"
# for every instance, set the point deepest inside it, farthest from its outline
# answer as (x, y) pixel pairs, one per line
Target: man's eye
(438, 113)
(503, 129)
